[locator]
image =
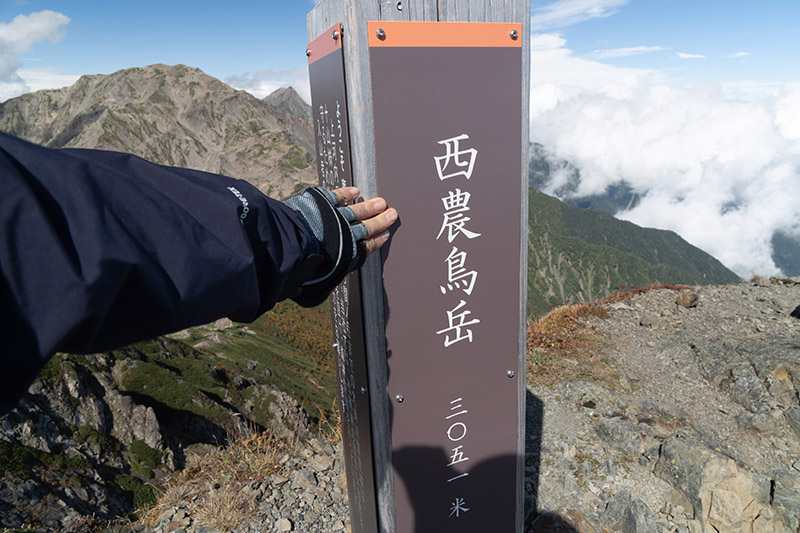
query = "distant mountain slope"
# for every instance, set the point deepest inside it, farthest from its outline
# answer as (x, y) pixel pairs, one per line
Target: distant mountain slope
(581, 255)
(174, 115)
(561, 178)
(786, 253)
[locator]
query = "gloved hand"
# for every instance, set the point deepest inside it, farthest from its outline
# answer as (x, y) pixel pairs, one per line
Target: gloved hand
(345, 235)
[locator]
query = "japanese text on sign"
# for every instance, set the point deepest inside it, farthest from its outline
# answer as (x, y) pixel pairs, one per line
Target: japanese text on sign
(457, 224)
(330, 145)
(456, 433)
(457, 162)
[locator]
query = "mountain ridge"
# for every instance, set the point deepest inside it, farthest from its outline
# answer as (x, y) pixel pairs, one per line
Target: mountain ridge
(581, 255)
(172, 115)
(562, 179)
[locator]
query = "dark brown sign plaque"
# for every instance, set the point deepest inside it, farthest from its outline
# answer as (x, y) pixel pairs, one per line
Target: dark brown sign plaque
(326, 73)
(447, 114)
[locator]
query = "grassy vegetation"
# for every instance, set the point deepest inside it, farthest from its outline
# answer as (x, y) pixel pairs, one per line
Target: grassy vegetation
(140, 495)
(250, 455)
(144, 458)
(288, 349)
(580, 255)
(292, 161)
(104, 441)
(295, 345)
(563, 346)
(20, 460)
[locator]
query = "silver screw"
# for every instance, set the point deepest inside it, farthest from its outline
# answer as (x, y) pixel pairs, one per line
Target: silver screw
(514, 34)
(363, 390)
(335, 35)
(399, 6)
(308, 52)
(399, 398)
(381, 34)
(510, 373)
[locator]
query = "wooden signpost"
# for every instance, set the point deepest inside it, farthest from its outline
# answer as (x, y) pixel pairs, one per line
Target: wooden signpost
(426, 104)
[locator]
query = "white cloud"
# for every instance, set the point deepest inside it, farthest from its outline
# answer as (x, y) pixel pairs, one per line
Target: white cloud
(558, 75)
(718, 167)
(624, 52)
(18, 36)
(562, 13)
(684, 55)
(265, 82)
(738, 54)
(37, 80)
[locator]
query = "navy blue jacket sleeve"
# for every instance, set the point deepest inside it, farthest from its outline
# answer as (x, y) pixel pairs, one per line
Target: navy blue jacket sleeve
(101, 249)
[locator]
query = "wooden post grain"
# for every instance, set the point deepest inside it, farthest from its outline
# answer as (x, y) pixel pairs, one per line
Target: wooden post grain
(353, 15)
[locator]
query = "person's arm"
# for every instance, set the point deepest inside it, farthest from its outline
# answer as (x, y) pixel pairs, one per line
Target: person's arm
(101, 249)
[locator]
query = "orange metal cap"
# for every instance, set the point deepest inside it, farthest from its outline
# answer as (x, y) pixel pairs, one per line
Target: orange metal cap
(325, 43)
(449, 34)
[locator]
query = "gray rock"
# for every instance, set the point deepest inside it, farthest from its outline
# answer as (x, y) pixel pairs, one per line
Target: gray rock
(621, 434)
(304, 479)
(615, 511)
(786, 491)
(627, 516)
(792, 415)
(283, 524)
(723, 493)
(745, 386)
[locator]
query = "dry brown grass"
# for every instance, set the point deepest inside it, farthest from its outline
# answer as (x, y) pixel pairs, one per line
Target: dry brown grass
(633, 291)
(563, 347)
(226, 508)
(213, 481)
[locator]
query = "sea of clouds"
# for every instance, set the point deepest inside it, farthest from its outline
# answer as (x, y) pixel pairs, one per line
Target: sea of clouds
(719, 165)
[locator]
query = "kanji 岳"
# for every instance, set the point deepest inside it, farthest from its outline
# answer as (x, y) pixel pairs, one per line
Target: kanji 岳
(457, 323)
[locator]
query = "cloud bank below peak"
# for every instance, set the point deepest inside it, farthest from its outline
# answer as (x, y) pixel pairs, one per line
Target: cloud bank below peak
(716, 166)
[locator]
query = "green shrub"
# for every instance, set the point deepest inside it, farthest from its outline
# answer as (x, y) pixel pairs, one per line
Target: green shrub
(137, 493)
(16, 460)
(83, 434)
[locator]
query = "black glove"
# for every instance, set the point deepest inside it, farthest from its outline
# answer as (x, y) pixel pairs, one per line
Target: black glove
(340, 238)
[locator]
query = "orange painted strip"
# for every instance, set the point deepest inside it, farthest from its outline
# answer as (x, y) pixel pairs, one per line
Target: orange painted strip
(449, 34)
(325, 43)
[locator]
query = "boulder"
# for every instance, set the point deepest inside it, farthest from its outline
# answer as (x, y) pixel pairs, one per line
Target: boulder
(726, 494)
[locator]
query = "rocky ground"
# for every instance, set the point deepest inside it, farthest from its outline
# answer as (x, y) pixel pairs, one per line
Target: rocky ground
(308, 493)
(701, 435)
(700, 432)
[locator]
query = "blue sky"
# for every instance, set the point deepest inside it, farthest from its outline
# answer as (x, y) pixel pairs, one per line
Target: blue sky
(693, 104)
(722, 41)
(224, 39)
(738, 40)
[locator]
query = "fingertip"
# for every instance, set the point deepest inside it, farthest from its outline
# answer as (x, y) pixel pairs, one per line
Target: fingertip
(375, 243)
(379, 204)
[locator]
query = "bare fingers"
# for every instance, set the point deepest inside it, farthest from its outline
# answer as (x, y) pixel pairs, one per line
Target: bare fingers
(376, 216)
(346, 195)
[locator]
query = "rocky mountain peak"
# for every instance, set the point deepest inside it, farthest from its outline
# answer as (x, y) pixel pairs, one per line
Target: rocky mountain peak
(173, 115)
(287, 98)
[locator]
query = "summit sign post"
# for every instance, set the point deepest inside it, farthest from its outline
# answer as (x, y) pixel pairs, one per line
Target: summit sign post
(437, 124)
(447, 113)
